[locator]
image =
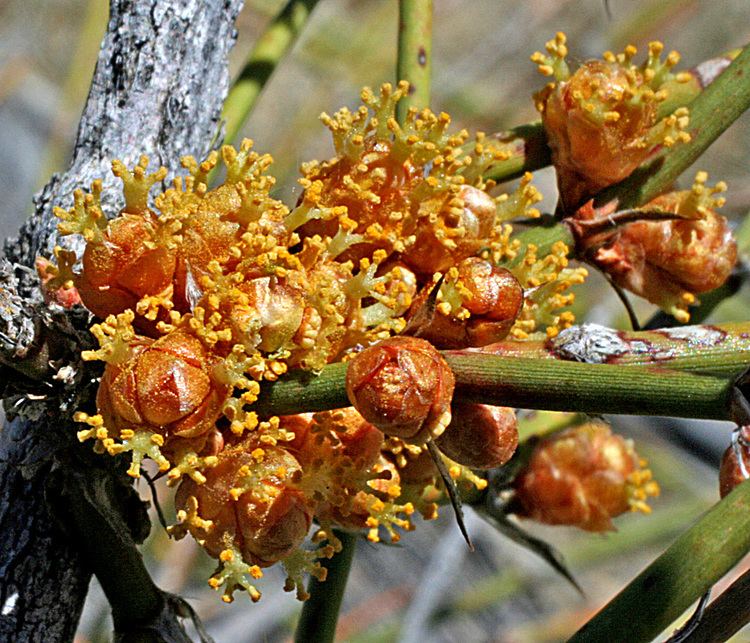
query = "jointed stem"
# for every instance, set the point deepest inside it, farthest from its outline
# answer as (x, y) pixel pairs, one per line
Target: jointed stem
(719, 350)
(530, 383)
(692, 564)
(272, 46)
(320, 613)
(414, 53)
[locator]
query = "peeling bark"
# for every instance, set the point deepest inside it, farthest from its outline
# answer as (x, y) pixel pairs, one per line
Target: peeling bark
(158, 89)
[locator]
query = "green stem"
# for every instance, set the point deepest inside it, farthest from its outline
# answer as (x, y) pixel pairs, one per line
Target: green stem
(532, 384)
(414, 61)
(711, 113)
(272, 46)
(726, 616)
(692, 564)
(718, 350)
(527, 145)
(543, 423)
(589, 388)
(317, 623)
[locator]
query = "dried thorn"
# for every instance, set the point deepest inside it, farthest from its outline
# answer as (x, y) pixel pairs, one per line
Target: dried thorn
(634, 323)
(739, 406)
(155, 498)
(450, 487)
(683, 633)
(620, 218)
(422, 318)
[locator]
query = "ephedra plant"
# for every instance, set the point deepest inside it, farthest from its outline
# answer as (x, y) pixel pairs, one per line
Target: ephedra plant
(309, 373)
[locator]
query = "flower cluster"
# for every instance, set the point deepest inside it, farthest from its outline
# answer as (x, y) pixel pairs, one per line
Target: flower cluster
(207, 294)
(668, 262)
(584, 476)
(604, 120)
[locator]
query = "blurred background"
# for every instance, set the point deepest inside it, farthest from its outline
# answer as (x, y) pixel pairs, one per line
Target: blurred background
(429, 588)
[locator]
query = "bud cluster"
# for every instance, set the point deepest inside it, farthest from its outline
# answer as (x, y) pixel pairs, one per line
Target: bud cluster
(584, 477)
(205, 294)
(604, 120)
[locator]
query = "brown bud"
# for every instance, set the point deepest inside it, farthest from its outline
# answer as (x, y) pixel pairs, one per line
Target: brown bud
(480, 436)
(735, 463)
(124, 267)
(403, 386)
(666, 262)
(472, 211)
(492, 296)
(165, 386)
(250, 503)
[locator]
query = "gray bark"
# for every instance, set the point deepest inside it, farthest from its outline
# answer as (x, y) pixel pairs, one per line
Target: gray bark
(158, 88)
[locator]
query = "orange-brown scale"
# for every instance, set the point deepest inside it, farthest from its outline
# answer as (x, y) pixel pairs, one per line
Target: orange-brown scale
(480, 436)
(265, 521)
(164, 387)
(403, 386)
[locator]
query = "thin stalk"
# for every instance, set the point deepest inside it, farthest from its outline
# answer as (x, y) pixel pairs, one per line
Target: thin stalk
(726, 616)
(317, 623)
(552, 385)
(272, 46)
(630, 536)
(320, 613)
(527, 145)
(711, 113)
(683, 573)
(414, 61)
(589, 388)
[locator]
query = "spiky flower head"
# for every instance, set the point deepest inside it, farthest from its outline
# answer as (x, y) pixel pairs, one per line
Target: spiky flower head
(603, 120)
(584, 477)
(669, 262)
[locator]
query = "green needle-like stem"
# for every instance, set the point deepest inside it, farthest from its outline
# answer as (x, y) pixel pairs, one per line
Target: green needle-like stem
(532, 383)
(683, 573)
(720, 350)
(414, 61)
(317, 623)
(273, 45)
